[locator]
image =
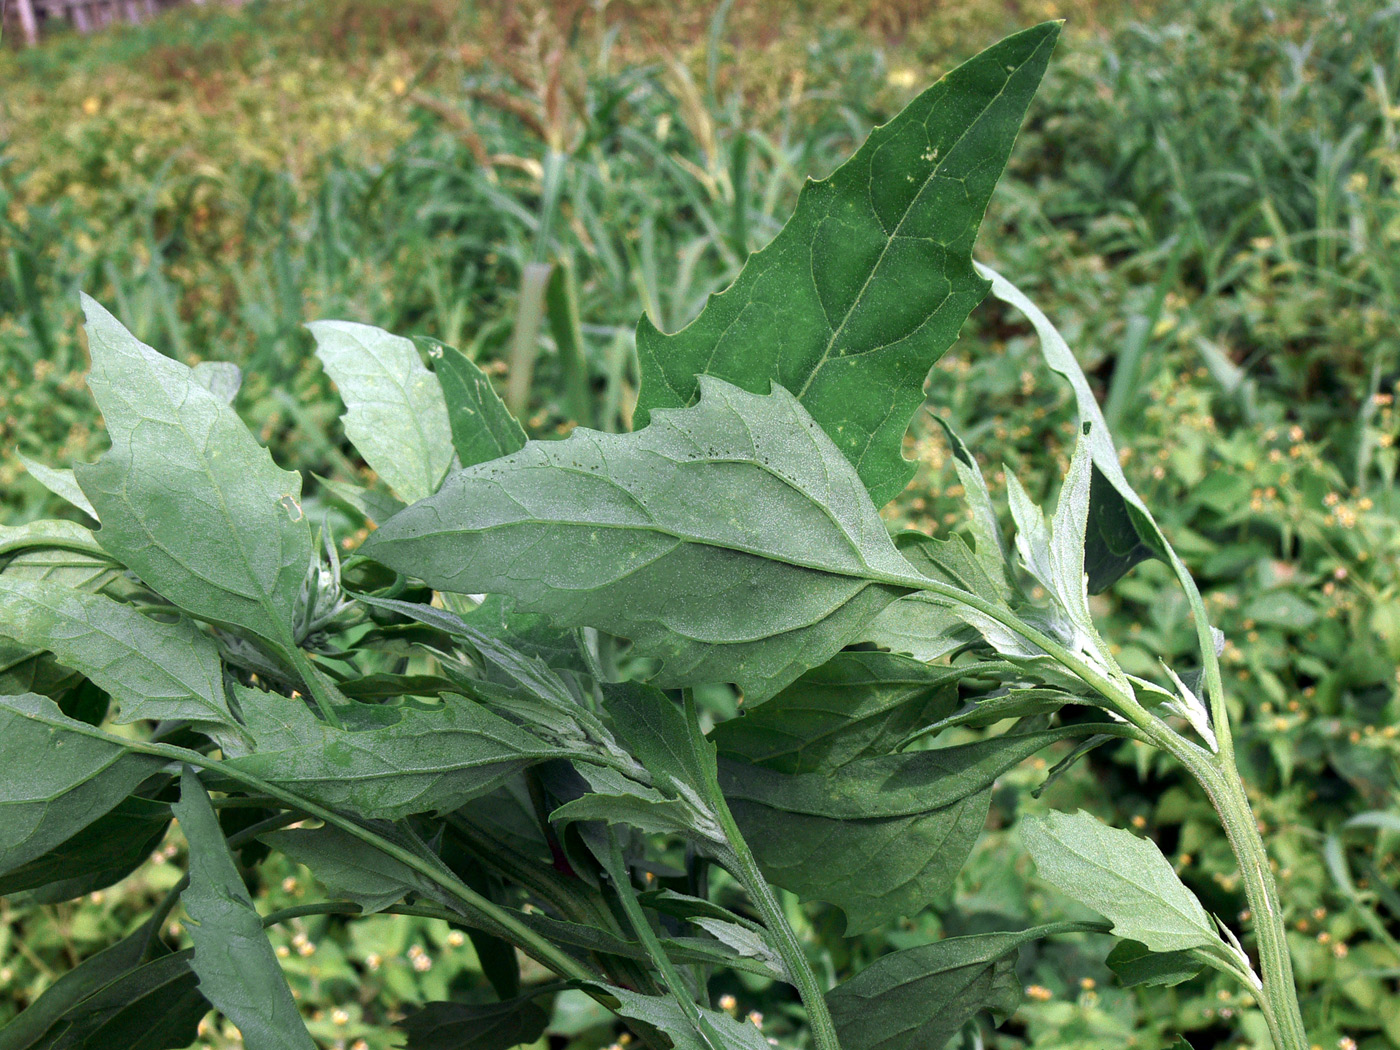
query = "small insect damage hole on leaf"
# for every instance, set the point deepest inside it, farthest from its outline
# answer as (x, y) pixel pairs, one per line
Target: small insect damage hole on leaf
(291, 506)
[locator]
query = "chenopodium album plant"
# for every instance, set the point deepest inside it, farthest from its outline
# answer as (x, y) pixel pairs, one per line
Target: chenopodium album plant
(499, 710)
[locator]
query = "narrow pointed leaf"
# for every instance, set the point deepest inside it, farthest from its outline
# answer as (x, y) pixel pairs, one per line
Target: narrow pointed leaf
(871, 279)
(855, 705)
(237, 969)
(60, 482)
(152, 668)
(482, 427)
(187, 498)
(1122, 877)
(57, 779)
(918, 998)
(653, 536)
(395, 413)
(409, 760)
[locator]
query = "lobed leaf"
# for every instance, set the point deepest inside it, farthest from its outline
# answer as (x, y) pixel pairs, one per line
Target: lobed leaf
(870, 280)
(658, 536)
(188, 500)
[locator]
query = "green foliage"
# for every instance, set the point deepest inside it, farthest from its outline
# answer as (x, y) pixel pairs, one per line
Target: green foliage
(414, 700)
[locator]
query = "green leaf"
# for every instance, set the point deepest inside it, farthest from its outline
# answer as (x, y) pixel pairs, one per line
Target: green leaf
(237, 969)
(410, 760)
(474, 1026)
(1121, 530)
(58, 779)
(855, 705)
(918, 998)
(152, 668)
(924, 625)
(641, 535)
(986, 529)
(395, 413)
(220, 378)
(106, 851)
(188, 499)
(135, 994)
(1135, 964)
(482, 427)
(61, 483)
(1122, 877)
(665, 1014)
(374, 505)
(871, 279)
(347, 867)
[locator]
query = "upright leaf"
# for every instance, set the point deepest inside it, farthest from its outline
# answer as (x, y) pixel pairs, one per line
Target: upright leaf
(61, 483)
(237, 969)
(871, 279)
(657, 536)
(57, 779)
(152, 668)
(1122, 877)
(919, 998)
(395, 412)
(187, 498)
(482, 427)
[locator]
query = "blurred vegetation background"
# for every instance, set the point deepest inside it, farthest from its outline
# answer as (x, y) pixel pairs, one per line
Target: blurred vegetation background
(1205, 200)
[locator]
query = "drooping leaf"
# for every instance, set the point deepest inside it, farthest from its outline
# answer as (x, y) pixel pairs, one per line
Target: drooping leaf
(918, 998)
(649, 536)
(482, 427)
(474, 1026)
(187, 498)
(152, 668)
(1122, 877)
(107, 850)
(237, 969)
(871, 279)
(409, 760)
(48, 534)
(347, 867)
(60, 482)
(1121, 530)
(57, 779)
(855, 705)
(395, 413)
(1137, 964)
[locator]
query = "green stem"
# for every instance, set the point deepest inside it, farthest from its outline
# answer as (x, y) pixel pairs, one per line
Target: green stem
(775, 920)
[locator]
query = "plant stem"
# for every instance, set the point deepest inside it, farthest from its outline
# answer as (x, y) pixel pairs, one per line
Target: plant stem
(1278, 998)
(800, 971)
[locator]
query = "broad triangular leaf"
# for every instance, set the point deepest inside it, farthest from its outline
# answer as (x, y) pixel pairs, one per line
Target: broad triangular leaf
(188, 499)
(653, 536)
(395, 412)
(1122, 877)
(57, 779)
(871, 279)
(237, 969)
(347, 867)
(918, 998)
(152, 668)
